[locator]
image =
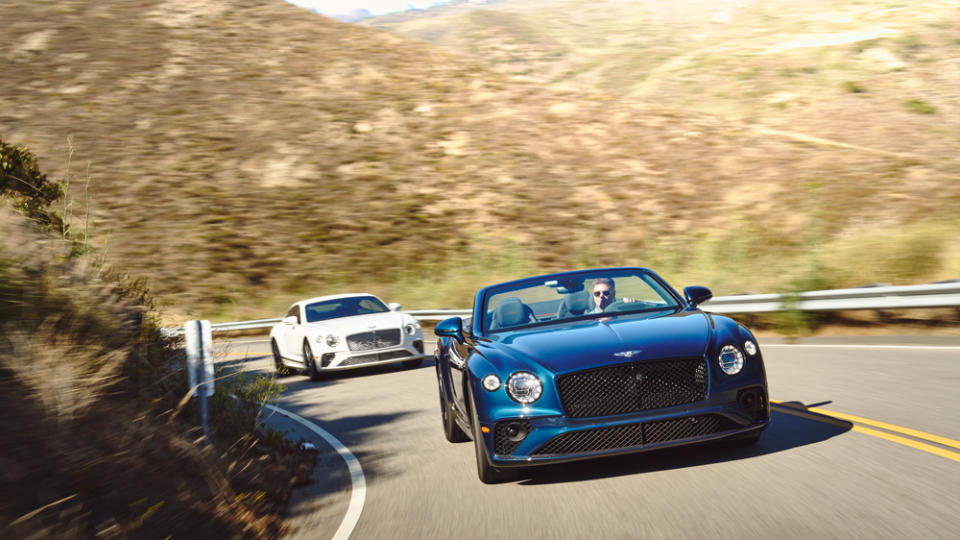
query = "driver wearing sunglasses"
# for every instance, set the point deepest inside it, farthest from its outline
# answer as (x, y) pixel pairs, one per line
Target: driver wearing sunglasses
(604, 294)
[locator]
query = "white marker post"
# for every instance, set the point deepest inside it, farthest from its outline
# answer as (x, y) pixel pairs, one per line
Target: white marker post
(199, 346)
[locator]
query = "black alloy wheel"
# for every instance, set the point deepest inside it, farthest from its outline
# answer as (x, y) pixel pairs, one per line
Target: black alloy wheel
(485, 470)
(451, 430)
(281, 369)
(312, 370)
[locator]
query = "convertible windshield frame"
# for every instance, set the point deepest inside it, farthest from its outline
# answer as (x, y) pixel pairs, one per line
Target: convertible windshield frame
(339, 308)
(580, 281)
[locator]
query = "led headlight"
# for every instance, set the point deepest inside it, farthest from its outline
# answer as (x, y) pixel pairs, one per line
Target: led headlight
(491, 382)
(411, 328)
(524, 387)
(731, 360)
(333, 340)
(750, 347)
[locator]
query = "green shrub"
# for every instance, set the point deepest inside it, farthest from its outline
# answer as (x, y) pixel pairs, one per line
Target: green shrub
(919, 106)
(29, 189)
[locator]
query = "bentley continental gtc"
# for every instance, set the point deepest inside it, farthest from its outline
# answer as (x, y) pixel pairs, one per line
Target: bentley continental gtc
(344, 331)
(594, 363)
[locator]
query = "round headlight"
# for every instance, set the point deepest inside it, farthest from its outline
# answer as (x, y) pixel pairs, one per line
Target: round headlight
(524, 387)
(750, 347)
(333, 340)
(491, 382)
(411, 328)
(731, 360)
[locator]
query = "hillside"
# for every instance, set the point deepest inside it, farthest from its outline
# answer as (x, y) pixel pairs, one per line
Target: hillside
(238, 154)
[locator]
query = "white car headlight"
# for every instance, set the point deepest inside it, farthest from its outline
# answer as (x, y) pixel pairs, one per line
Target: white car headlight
(731, 360)
(750, 347)
(333, 340)
(524, 387)
(411, 328)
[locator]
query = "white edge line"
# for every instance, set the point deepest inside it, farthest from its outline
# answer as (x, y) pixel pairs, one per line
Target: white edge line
(826, 346)
(358, 491)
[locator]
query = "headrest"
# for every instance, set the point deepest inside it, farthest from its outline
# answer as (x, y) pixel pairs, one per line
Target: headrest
(577, 303)
(510, 312)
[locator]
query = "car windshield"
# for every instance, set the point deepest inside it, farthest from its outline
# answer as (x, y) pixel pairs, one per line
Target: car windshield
(578, 295)
(343, 307)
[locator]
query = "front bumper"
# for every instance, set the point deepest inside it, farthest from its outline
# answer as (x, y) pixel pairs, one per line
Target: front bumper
(342, 360)
(554, 439)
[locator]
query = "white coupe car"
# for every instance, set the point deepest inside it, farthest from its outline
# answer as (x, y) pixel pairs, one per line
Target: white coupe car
(344, 331)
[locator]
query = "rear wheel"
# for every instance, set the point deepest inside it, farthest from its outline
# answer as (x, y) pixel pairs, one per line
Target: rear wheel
(308, 359)
(485, 470)
(281, 369)
(451, 430)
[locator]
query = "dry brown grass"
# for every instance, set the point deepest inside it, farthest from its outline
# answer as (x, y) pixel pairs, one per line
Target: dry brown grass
(95, 438)
(245, 152)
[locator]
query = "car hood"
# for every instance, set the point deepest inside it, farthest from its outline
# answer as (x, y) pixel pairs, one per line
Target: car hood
(360, 323)
(588, 343)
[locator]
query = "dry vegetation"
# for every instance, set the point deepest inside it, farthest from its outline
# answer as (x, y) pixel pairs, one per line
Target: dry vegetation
(241, 153)
(96, 438)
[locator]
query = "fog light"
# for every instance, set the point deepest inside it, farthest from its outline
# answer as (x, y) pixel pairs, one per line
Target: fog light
(491, 382)
(418, 345)
(515, 431)
(326, 359)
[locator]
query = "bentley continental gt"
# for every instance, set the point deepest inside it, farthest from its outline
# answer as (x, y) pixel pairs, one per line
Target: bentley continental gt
(592, 363)
(344, 331)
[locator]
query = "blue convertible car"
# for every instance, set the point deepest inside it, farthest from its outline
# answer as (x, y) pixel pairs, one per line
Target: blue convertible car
(594, 363)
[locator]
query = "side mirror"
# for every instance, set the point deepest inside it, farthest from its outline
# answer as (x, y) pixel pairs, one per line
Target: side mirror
(697, 295)
(394, 306)
(452, 327)
(289, 321)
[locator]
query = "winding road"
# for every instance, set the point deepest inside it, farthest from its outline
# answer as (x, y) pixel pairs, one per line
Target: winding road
(864, 442)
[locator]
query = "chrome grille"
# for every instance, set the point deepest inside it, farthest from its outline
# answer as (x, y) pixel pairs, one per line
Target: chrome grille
(377, 339)
(375, 357)
(633, 387)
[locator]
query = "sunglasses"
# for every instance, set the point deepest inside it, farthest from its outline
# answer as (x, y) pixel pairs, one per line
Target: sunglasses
(605, 294)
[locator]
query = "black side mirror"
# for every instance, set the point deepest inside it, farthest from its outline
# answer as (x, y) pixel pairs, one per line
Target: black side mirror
(452, 327)
(697, 295)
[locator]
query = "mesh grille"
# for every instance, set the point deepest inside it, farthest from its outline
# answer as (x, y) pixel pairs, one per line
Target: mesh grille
(378, 339)
(633, 435)
(638, 386)
(375, 357)
(591, 440)
(502, 445)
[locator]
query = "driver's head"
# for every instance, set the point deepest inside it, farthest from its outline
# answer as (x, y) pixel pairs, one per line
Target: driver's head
(603, 292)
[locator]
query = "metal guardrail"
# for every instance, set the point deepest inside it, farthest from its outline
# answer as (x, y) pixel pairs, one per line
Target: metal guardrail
(945, 294)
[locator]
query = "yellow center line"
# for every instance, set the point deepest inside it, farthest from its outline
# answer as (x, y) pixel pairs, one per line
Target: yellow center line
(882, 425)
(837, 419)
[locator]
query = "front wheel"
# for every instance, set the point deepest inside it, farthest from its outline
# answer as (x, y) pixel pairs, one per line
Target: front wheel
(487, 473)
(282, 370)
(451, 430)
(308, 359)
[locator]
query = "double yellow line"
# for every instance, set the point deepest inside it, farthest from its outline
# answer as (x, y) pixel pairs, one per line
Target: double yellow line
(856, 423)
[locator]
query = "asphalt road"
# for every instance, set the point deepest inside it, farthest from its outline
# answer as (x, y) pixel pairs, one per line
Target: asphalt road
(847, 470)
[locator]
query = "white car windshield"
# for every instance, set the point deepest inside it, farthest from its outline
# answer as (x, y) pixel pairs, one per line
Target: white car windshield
(343, 307)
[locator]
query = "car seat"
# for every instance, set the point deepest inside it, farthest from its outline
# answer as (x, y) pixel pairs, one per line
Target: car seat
(574, 304)
(511, 312)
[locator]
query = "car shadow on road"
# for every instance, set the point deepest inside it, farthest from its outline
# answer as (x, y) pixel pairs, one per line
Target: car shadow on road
(787, 431)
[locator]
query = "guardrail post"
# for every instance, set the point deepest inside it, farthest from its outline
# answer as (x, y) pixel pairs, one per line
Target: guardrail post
(199, 347)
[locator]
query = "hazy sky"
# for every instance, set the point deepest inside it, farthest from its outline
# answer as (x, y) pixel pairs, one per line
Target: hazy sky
(377, 7)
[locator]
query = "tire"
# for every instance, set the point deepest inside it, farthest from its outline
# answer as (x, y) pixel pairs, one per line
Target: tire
(312, 370)
(487, 473)
(278, 365)
(451, 430)
(413, 363)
